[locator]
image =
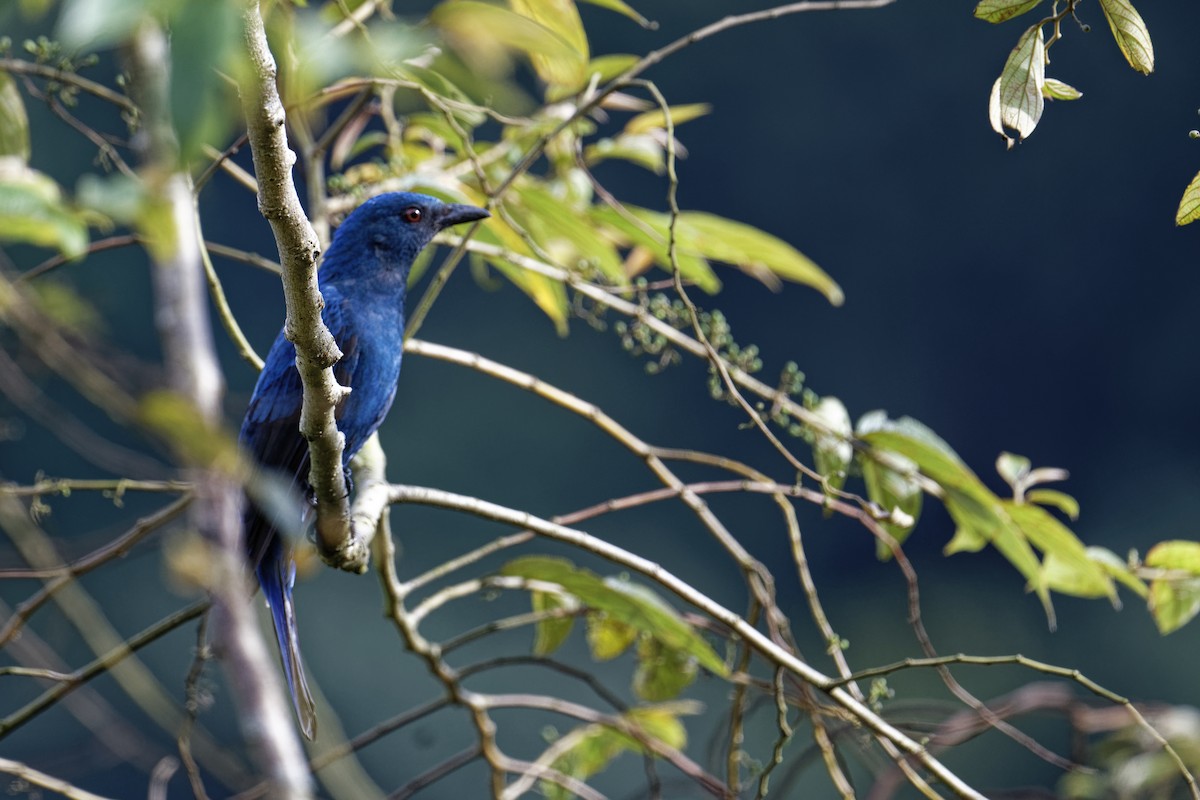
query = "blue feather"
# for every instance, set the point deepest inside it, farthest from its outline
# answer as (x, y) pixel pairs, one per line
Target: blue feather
(362, 280)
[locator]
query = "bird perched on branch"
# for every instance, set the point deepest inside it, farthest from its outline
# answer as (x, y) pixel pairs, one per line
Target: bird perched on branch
(362, 279)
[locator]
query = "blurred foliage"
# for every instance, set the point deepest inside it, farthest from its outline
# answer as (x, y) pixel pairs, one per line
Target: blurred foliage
(505, 104)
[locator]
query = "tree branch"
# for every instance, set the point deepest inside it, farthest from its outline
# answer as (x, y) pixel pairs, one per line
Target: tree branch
(299, 251)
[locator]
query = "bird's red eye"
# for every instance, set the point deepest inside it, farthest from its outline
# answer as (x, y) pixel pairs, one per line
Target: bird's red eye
(411, 214)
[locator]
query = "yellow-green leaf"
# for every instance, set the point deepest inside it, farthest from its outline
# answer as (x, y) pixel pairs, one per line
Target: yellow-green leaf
(32, 210)
(1017, 102)
(1189, 204)
(626, 602)
(832, 450)
(1052, 497)
(1177, 554)
(648, 229)
(1174, 603)
(1131, 34)
(1003, 10)
(657, 119)
(621, 7)
(1116, 567)
(737, 243)
(1054, 89)
(1067, 567)
(556, 59)
(551, 632)
(608, 637)
(610, 66)
(14, 124)
(662, 672)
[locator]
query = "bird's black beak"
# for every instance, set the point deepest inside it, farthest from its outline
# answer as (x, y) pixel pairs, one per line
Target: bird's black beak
(458, 213)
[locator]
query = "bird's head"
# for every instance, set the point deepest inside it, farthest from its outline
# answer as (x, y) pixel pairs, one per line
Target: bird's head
(387, 232)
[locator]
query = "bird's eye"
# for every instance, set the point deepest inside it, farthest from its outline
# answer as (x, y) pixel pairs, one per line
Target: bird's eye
(412, 214)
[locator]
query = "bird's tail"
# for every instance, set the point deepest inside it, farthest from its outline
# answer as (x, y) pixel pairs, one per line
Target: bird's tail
(276, 573)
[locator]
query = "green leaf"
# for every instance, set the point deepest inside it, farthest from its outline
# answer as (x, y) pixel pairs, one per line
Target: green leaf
(610, 66)
(648, 229)
(14, 124)
(976, 511)
(1174, 603)
(32, 210)
(891, 484)
(832, 450)
(1177, 554)
(1189, 204)
(97, 24)
(1056, 499)
(747, 247)
(657, 119)
(1017, 102)
(1003, 10)
(621, 7)
(556, 57)
(662, 672)
(626, 602)
(1116, 567)
(644, 150)
(565, 235)
(593, 747)
(1013, 468)
(1131, 34)
(551, 632)
(608, 637)
(1057, 90)
(1067, 567)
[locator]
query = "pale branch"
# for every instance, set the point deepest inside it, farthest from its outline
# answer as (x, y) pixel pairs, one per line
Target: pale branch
(768, 649)
(106, 662)
(59, 576)
(181, 315)
(32, 776)
(20, 67)
(299, 252)
(430, 653)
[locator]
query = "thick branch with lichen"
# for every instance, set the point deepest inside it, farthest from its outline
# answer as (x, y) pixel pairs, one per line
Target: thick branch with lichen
(299, 252)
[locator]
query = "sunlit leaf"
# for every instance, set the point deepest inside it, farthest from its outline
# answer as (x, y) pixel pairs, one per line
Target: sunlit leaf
(976, 511)
(551, 632)
(557, 60)
(1118, 569)
(610, 66)
(832, 450)
(1178, 554)
(1131, 34)
(891, 486)
(627, 602)
(621, 7)
(203, 106)
(662, 672)
(566, 236)
(591, 748)
(1057, 90)
(1189, 204)
(97, 24)
(657, 119)
(1056, 499)
(1013, 468)
(644, 150)
(1017, 100)
(1174, 603)
(32, 210)
(740, 244)
(608, 637)
(1003, 10)
(648, 229)
(14, 124)
(1067, 567)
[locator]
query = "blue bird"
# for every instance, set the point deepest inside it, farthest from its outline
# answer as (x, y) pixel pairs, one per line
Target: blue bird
(362, 279)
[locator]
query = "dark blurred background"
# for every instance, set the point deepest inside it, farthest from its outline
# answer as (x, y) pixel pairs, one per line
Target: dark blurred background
(1038, 300)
